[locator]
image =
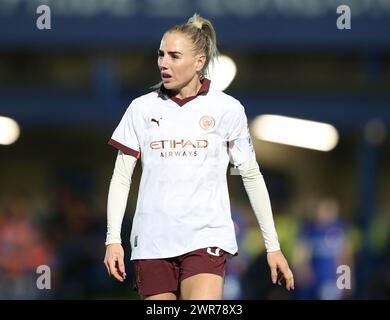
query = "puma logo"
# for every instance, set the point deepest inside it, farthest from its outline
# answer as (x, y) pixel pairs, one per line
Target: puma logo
(157, 121)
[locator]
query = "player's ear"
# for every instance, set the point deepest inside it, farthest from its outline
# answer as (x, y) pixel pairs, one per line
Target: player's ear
(200, 61)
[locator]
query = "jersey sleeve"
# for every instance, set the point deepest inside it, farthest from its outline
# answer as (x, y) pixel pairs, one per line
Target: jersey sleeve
(124, 137)
(239, 139)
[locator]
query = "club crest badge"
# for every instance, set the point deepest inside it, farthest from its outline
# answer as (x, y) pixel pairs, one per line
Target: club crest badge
(207, 122)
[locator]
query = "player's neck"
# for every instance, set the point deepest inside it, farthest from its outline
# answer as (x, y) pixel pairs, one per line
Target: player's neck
(189, 90)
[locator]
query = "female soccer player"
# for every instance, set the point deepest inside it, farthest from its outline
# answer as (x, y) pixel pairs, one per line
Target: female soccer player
(185, 133)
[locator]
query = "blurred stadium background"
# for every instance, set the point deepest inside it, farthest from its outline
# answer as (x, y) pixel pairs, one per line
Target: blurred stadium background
(68, 87)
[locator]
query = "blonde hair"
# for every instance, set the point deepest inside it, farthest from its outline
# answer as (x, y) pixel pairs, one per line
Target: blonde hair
(203, 36)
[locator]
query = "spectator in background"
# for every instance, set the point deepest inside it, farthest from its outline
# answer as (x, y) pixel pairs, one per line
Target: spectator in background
(256, 256)
(22, 249)
(323, 245)
(75, 230)
(375, 284)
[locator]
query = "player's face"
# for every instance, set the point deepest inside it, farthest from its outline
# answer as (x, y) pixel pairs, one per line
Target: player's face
(177, 61)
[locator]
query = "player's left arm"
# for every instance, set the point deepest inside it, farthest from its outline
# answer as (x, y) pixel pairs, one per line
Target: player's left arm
(259, 198)
(243, 157)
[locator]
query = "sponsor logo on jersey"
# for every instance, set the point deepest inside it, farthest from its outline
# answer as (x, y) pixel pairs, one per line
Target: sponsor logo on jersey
(178, 147)
(170, 154)
(207, 122)
(179, 143)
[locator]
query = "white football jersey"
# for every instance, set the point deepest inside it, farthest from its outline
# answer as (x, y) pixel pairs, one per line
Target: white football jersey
(185, 147)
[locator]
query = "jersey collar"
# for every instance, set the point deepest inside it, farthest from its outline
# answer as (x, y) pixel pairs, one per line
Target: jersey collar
(165, 94)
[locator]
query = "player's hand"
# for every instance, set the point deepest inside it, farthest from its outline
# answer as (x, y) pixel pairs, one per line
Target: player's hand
(280, 271)
(114, 261)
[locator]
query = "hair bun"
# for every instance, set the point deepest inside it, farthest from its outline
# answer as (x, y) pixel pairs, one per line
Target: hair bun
(197, 21)
(197, 24)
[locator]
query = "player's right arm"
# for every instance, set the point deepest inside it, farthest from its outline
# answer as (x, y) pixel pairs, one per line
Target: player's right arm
(116, 206)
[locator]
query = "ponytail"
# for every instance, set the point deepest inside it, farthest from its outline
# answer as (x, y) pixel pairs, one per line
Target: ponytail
(203, 36)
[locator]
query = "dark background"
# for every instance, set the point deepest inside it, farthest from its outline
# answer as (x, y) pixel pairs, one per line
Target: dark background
(68, 87)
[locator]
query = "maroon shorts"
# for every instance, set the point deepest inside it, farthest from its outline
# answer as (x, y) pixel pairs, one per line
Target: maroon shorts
(155, 276)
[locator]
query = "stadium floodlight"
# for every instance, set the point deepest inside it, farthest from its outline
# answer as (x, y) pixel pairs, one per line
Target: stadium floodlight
(295, 132)
(9, 131)
(222, 71)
